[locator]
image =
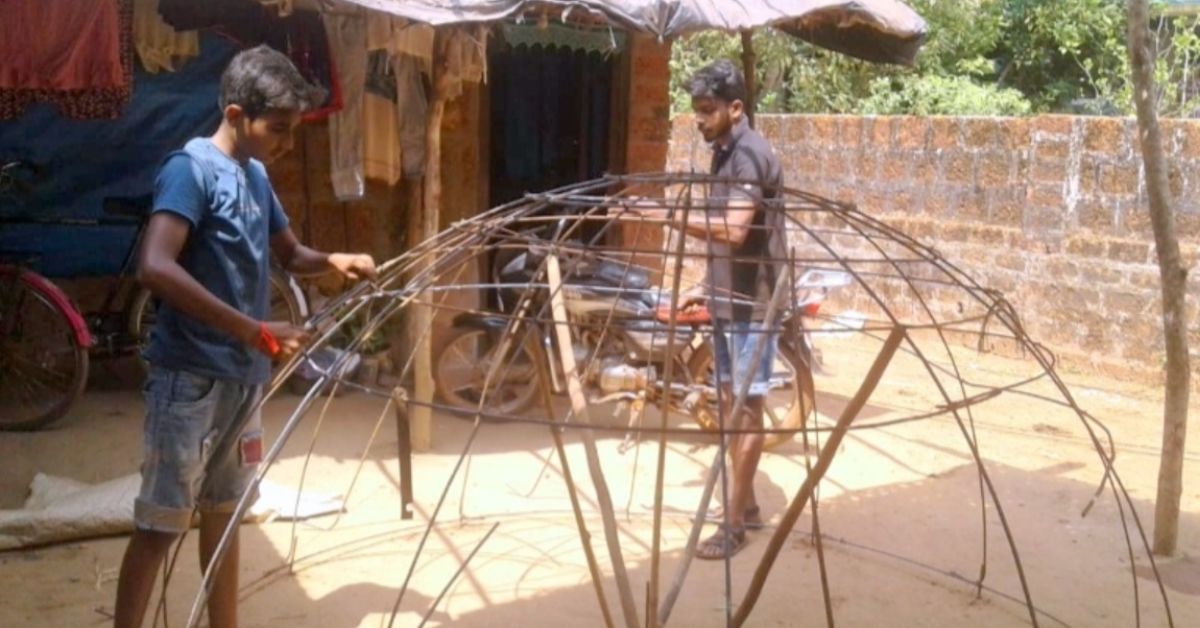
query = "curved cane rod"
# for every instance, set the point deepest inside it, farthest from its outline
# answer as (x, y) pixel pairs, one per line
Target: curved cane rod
(493, 370)
(289, 426)
(664, 410)
(244, 503)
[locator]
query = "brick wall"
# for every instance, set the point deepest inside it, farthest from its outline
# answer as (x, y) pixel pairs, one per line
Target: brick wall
(1049, 210)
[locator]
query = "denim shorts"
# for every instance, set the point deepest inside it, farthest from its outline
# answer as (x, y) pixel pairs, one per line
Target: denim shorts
(202, 444)
(743, 337)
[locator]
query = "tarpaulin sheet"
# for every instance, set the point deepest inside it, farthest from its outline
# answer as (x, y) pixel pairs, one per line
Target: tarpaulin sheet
(876, 30)
(85, 161)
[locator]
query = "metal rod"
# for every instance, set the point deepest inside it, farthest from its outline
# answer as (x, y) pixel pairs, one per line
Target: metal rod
(404, 449)
(462, 566)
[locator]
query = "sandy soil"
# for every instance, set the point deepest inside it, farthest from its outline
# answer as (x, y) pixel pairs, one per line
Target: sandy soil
(900, 510)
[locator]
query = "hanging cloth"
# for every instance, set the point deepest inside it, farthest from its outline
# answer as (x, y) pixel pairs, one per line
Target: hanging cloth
(300, 35)
(159, 45)
(348, 44)
(381, 146)
(398, 37)
(412, 106)
(76, 56)
(466, 59)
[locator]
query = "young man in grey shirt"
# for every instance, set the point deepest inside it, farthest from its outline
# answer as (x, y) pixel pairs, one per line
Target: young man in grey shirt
(747, 249)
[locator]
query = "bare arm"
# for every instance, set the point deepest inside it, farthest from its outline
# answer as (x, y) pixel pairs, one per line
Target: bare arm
(304, 261)
(739, 213)
(733, 228)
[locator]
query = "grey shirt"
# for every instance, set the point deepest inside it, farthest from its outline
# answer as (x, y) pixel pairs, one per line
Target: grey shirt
(741, 278)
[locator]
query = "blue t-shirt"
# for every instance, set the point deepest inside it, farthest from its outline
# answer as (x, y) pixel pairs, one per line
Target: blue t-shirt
(233, 212)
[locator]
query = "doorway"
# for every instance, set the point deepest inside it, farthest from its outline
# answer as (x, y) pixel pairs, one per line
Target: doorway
(551, 114)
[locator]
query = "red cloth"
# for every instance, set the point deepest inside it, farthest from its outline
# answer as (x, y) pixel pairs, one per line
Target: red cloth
(105, 94)
(60, 44)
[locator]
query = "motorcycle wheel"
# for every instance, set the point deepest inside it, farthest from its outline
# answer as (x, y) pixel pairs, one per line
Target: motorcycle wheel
(787, 408)
(462, 369)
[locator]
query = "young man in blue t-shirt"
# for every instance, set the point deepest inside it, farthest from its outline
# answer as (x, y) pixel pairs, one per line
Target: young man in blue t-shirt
(215, 223)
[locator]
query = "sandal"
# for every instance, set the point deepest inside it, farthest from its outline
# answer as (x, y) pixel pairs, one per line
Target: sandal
(723, 544)
(751, 520)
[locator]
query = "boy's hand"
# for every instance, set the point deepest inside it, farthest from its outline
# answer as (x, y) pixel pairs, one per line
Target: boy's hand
(353, 266)
(280, 340)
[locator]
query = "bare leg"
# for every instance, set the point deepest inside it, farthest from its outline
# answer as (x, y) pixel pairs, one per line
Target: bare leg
(222, 603)
(746, 450)
(752, 408)
(143, 556)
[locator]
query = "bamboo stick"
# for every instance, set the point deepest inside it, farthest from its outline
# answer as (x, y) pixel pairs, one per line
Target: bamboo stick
(580, 408)
(585, 537)
(812, 479)
(427, 226)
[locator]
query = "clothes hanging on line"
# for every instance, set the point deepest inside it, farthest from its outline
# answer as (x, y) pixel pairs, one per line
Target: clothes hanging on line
(381, 146)
(348, 43)
(399, 37)
(83, 64)
(158, 45)
(300, 35)
(466, 59)
(412, 106)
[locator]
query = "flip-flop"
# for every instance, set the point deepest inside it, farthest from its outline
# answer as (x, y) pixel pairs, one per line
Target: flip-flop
(722, 544)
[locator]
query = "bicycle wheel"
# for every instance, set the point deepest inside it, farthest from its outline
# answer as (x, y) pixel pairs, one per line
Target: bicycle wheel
(285, 306)
(790, 400)
(43, 366)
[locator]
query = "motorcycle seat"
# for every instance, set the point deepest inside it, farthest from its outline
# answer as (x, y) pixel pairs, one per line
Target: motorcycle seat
(695, 315)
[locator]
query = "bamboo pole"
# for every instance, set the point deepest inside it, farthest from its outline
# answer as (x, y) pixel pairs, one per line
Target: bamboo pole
(579, 407)
(585, 537)
(748, 62)
(812, 479)
(425, 221)
(665, 409)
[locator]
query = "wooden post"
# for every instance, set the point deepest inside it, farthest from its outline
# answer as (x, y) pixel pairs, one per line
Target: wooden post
(1173, 276)
(748, 59)
(579, 406)
(424, 221)
(585, 538)
(814, 477)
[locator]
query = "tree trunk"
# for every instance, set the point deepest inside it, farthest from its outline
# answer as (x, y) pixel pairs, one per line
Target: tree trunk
(748, 63)
(1174, 283)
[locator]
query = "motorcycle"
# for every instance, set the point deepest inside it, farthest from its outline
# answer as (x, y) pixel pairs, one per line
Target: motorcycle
(621, 344)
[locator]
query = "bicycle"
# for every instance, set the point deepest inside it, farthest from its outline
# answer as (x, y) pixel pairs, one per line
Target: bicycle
(47, 342)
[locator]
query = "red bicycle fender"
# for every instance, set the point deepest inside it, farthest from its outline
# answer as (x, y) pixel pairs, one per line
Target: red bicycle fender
(64, 305)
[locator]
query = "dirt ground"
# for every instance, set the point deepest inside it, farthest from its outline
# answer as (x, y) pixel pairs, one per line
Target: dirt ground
(899, 508)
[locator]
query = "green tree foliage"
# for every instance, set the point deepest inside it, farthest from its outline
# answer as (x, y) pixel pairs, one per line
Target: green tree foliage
(982, 57)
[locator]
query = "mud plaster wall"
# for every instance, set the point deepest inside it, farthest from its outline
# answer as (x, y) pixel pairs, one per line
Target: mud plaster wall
(1051, 210)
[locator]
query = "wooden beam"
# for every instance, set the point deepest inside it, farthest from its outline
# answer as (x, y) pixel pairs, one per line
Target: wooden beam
(579, 407)
(813, 478)
(424, 222)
